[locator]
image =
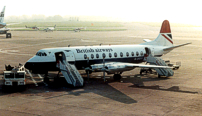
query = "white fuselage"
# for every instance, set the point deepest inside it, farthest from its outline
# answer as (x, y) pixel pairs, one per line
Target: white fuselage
(46, 59)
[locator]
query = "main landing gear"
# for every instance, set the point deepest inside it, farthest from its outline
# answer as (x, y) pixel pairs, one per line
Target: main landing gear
(8, 35)
(117, 77)
(57, 78)
(46, 79)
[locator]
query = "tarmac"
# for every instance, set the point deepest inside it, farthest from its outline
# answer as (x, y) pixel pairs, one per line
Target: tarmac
(133, 95)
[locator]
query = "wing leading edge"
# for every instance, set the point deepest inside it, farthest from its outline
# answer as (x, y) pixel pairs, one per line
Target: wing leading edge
(144, 66)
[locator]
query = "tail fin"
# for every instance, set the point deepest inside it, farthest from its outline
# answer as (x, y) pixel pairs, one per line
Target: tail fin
(2, 15)
(164, 38)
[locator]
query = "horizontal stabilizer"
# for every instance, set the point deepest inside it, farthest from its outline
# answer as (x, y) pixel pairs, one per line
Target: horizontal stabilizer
(147, 40)
(173, 47)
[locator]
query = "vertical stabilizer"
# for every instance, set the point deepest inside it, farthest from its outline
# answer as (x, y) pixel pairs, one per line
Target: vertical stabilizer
(2, 15)
(164, 38)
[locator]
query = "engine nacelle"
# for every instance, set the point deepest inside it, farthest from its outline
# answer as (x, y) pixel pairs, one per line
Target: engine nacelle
(3, 32)
(2, 25)
(111, 68)
(97, 67)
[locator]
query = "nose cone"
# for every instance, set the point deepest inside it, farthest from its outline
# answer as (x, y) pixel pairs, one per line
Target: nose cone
(28, 66)
(34, 67)
(30, 63)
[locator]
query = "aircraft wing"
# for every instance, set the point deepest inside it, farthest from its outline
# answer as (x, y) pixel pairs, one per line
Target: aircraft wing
(120, 66)
(144, 66)
(173, 47)
(147, 40)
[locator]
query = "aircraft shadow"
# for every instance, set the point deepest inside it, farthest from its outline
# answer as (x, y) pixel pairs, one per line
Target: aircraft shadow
(96, 86)
(173, 89)
(138, 82)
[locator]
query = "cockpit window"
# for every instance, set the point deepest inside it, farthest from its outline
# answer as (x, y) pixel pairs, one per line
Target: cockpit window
(41, 54)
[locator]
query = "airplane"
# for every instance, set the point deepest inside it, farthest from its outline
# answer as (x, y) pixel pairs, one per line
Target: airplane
(112, 59)
(35, 27)
(3, 29)
(50, 28)
(78, 29)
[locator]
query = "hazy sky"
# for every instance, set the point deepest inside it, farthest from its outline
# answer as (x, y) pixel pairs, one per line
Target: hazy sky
(183, 11)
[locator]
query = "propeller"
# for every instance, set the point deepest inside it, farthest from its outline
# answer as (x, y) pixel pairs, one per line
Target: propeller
(104, 69)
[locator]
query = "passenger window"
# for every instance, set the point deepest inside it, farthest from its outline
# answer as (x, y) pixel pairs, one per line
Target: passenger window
(141, 53)
(110, 55)
(137, 53)
(92, 56)
(85, 56)
(97, 55)
(121, 54)
(132, 53)
(103, 55)
(115, 54)
(127, 54)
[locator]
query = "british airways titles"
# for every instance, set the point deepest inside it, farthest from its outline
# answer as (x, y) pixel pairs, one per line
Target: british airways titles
(93, 50)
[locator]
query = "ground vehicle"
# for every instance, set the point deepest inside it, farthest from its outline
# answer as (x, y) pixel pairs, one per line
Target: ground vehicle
(14, 78)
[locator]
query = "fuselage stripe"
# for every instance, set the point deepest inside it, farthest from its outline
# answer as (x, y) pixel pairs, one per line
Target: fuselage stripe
(167, 38)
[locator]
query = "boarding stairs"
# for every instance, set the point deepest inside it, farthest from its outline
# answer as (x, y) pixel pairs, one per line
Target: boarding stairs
(160, 62)
(70, 73)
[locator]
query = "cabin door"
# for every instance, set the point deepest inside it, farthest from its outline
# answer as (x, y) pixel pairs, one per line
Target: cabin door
(69, 56)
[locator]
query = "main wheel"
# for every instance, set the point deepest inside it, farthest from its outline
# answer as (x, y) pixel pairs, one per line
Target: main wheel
(90, 72)
(141, 71)
(46, 80)
(117, 77)
(8, 35)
